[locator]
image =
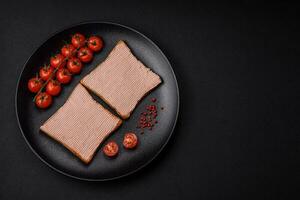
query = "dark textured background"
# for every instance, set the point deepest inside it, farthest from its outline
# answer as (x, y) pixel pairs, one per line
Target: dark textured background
(238, 72)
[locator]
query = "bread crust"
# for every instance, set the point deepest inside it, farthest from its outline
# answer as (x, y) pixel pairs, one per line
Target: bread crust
(90, 89)
(86, 161)
(89, 159)
(105, 100)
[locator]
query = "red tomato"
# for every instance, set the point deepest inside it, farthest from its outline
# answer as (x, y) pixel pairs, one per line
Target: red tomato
(53, 88)
(34, 84)
(95, 43)
(68, 50)
(63, 76)
(85, 54)
(43, 100)
(57, 61)
(111, 149)
(45, 72)
(130, 140)
(78, 40)
(74, 65)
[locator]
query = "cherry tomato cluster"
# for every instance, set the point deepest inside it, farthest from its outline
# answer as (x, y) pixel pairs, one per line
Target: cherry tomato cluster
(130, 141)
(62, 66)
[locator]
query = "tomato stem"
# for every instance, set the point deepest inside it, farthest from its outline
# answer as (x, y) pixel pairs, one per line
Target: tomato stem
(51, 76)
(55, 70)
(43, 86)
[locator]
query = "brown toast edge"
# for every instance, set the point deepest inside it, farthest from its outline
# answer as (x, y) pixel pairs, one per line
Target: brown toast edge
(105, 100)
(86, 161)
(116, 127)
(70, 148)
(123, 116)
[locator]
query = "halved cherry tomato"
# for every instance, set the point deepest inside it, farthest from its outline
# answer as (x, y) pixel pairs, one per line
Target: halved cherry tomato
(57, 61)
(85, 54)
(43, 100)
(78, 40)
(74, 65)
(63, 76)
(34, 84)
(130, 140)
(53, 88)
(68, 50)
(111, 149)
(45, 72)
(95, 43)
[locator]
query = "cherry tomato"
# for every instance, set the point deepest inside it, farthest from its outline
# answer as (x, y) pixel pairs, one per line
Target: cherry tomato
(95, 43)
(78, 40)
(85, 54)
(43, 100)
(45, 72)
(130, 140)
(57, 61)
(35, 84)
(68, 50)
(63, 76)
(111, 149)
(53, 88)
(74, 65)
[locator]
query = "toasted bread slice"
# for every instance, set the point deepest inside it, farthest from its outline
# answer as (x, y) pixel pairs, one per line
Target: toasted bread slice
(121, 80)
(81, 124)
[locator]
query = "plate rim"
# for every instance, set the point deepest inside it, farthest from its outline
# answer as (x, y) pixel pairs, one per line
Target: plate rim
(96, 179)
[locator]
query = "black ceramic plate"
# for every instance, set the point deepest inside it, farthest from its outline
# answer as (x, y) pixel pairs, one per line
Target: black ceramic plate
(101, 168)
